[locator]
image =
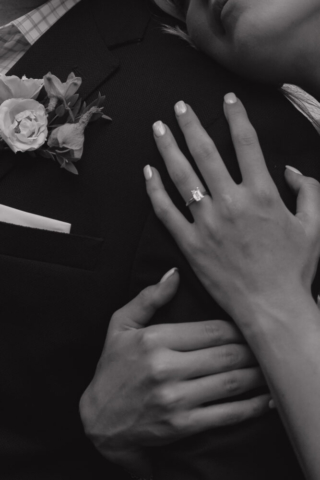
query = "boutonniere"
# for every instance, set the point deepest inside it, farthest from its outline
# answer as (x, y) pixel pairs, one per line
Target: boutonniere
(52, 127)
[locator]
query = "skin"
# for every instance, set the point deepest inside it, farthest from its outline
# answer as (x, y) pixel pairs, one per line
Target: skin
(275, 41)
(152, 382)
(255, 258)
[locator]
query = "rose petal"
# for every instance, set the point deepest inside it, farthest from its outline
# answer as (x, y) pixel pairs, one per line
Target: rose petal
(31, 117)
(5, 91)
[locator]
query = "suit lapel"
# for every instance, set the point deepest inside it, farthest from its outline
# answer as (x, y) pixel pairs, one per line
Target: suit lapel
(79, 42)
(72, 44)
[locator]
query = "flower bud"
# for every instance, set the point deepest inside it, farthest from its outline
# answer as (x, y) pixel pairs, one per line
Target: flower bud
(71, 135)
(55, 88)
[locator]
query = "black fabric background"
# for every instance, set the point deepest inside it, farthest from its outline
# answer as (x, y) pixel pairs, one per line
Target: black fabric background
(58, 294)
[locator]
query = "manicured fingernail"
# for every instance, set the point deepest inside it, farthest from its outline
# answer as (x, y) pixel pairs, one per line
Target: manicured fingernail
(147, 172)
(272, 405)
(159, 129)
(293, 169)
(180, 108)
(230, 98)
(168, 275)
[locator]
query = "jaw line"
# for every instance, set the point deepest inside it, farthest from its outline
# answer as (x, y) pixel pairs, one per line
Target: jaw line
(165, 7)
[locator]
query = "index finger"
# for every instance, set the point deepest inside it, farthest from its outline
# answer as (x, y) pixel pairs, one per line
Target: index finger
(183, 337)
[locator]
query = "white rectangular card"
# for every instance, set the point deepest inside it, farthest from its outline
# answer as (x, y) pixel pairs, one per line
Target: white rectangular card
(25, 219)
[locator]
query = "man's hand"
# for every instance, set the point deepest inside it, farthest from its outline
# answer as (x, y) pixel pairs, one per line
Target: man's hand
(153, 385)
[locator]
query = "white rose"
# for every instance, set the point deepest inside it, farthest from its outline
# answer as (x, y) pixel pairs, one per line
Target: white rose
(23, 124)
(15, 87)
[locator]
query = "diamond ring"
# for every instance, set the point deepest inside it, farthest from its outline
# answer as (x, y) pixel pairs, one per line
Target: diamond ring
(197, 196)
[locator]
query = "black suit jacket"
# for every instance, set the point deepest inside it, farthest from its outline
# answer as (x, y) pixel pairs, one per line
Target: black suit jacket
(59, 291)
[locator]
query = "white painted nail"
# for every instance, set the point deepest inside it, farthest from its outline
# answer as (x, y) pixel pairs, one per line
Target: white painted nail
(180, 108)
(168, 275)
(293, 169)
(159, 129)
(272, 405)
(230, 98)
(147, 172)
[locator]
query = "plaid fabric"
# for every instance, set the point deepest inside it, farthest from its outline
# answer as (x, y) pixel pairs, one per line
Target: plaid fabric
(17, 36)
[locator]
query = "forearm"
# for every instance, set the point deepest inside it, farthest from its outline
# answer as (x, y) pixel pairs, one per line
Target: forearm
(286, 340)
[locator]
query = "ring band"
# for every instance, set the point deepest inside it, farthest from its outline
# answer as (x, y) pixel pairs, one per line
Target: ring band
(197, 196)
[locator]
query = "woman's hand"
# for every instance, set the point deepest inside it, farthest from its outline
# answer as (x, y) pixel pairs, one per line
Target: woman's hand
(153, 385)
(244, 245)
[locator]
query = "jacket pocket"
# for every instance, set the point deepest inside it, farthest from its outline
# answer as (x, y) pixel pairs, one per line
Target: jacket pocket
(77, 251)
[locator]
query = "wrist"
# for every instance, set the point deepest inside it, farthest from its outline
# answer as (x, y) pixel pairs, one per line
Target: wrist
(285, 312)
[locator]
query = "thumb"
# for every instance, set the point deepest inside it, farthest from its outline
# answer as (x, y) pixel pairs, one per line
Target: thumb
(139, 311)
(308, 191)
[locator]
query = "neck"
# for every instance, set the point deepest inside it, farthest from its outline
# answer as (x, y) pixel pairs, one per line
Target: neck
(10, 10)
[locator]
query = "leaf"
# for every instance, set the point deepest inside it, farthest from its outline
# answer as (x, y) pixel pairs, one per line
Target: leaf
(95, 103)
(67, 164)
(71, 118)
(84, 106)
(95, 116)
(45, 153)
(92, 104)
(61, 110)
(76, 108)
(67, 155)
(61, 160)
(101, 100)
(71, 168)
(73, 100)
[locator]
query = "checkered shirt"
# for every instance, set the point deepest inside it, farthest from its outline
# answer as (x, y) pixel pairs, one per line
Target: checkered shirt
(17, 36)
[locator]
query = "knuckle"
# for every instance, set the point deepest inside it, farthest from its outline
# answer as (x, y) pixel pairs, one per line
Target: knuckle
(146, 299)
(159, 369)
(166, 399)
(256, 407)
(231, 384)
(148, 339)
(145, 296)
(178, 423)
(214, 331)
(187, 122)
(246, 137)
(166, 143)
(161, 210)
(234, 417)
(231, 356)
(231, 207)
(180, 177)
(203, 150)
(266, 197)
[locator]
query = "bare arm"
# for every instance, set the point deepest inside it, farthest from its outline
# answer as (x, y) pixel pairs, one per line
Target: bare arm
(255, 258)
(286, 340)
